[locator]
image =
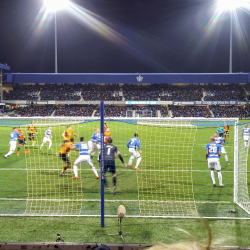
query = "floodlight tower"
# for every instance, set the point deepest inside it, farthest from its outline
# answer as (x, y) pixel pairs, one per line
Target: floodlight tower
(230, 6)
(54, 6)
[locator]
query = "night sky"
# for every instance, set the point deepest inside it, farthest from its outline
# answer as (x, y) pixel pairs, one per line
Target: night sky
(122, 36)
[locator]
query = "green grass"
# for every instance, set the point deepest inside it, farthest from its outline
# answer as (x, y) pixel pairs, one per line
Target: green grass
(174, 180)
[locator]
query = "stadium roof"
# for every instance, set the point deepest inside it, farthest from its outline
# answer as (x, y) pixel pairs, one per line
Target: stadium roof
(129, 78)
(3, 66)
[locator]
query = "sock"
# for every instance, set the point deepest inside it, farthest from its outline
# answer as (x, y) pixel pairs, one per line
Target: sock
(105, 182)
(93, 153)
(18, 149)
(226, 157)
(95, 171)
(131, 160)
(42, 145)
(75, 170)
(10, 152)
(138, 162)
(114, 181)
(50, 145)
(64, 169)
(212, 176)
(220, 177)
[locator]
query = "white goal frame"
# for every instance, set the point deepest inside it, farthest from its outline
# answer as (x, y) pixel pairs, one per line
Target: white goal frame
(154, 122)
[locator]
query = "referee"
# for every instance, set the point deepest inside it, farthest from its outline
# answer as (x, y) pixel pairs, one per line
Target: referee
(220, 131)
(109, 161)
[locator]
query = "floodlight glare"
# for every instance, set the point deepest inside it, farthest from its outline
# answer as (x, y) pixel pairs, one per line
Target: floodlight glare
(230, 5)
(55, 5)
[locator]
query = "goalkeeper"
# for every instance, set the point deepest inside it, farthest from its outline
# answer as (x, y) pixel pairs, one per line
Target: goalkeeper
(109, 161)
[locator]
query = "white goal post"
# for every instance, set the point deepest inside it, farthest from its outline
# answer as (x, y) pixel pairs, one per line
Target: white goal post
(173, 180)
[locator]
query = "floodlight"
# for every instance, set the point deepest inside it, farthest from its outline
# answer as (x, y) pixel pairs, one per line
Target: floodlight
(230, 5)
(55, 5)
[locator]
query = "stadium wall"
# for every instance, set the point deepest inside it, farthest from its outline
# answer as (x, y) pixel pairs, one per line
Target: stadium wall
(128, 78)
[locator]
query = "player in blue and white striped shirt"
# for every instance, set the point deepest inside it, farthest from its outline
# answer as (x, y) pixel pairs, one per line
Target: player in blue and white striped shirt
(47, 138)
(83, 157)
(245, 135)
(13, 139)
(132, 145)
(94, 143)
(221, 141)
(213, 151)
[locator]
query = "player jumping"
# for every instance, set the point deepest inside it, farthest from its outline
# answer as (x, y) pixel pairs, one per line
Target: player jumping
(226, 131)
(83, 157)
(132, 145)
(245, 135)
(21, 141)
(32, 131)
(213, 151)
(221, 141)
(13, 138)
(47, 138)
(66, 147)
(68, 133)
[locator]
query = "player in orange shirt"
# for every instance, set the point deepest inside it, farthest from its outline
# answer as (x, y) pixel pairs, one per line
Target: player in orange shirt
(32, 131)
(68, 133)
(107, 135)
(66, 147)
(21, 140)
(105, 126)
(226, 131)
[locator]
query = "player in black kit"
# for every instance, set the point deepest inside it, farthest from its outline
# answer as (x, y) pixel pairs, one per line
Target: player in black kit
(109, 161)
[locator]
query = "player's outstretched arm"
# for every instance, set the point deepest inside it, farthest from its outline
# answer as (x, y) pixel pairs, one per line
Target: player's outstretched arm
(75, 135)
(63, 135)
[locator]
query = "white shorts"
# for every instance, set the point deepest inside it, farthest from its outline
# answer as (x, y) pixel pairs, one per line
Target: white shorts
(134, 152)
(223, 150)
(92, 145)
(214, 163)
(12, 145)
(46, 139)
(83, 158)
(246, 138)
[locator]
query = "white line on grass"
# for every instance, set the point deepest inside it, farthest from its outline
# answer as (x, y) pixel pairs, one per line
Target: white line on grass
(106, 200)
(123, 170)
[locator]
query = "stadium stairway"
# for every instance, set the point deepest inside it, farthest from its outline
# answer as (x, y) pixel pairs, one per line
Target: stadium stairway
(170, 113)
(38, 95)
(93, 114)
(53, 112)
(211, 112)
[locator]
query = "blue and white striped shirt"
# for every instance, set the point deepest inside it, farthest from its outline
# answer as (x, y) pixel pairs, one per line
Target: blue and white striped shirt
(83, 148)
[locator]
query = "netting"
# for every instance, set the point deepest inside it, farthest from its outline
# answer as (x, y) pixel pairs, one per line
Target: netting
(173, 180)
(241, 171)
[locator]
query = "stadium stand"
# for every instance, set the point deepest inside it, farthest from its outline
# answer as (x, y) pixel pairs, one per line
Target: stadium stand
(231, 92)
(22, 92)
(142, 92)
(164, 111)
(190, 111)
(182, 93)
(97, 92)
(63, 92)
(74, 110)
(229, 111)
(35, 111)
(128, 92)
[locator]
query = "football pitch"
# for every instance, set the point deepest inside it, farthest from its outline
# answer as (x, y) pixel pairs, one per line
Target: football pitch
(174, 179)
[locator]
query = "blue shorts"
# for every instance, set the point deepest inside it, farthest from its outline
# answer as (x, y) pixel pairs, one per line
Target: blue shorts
(109, 166)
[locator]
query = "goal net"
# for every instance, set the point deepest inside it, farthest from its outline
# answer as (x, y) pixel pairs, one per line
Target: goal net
(173, 180)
